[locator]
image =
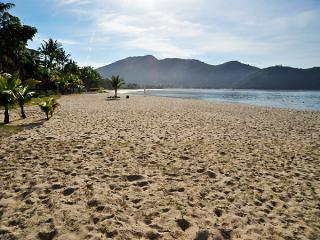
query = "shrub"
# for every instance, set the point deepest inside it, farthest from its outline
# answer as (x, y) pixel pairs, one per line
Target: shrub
(49, 106)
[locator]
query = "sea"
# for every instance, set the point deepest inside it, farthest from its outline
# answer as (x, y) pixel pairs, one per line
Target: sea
(302, 100)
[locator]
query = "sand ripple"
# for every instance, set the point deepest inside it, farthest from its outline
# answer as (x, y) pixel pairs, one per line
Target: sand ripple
(159, 168)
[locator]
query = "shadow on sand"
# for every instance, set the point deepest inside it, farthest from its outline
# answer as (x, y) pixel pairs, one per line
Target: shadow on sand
(34, 124)
(112, 98)
(7, 130)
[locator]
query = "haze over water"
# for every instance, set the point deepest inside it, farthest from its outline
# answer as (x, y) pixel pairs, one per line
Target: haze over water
(304, 100)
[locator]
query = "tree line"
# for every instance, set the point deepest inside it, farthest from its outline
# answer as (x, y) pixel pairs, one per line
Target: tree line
(50, 65)
(26, 72)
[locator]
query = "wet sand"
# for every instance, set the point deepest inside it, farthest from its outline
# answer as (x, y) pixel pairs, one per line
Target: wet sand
(161, 168)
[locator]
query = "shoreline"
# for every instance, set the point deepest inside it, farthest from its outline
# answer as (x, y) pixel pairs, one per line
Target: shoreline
(15, 118)
(161, 168)
(228, 103)
(257, 102)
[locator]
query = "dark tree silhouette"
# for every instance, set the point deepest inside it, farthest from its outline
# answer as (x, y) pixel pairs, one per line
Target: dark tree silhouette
(13, 39)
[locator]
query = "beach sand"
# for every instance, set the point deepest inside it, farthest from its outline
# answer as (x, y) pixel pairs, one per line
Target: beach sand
(161, 168)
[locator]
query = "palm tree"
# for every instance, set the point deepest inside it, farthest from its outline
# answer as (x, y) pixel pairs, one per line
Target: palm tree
(22, 95)
(50, 50)
(62, 58)
(116, 82)
(5, 7)
(8, 86)
(49, 106)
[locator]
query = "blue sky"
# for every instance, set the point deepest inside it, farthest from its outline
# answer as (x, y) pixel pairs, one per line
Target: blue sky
(258, 32)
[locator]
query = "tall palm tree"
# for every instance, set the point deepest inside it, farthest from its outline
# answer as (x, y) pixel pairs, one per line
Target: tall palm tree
(23, 95)
(116, 82)
(62, 58)
(50, 50)
(8, 86)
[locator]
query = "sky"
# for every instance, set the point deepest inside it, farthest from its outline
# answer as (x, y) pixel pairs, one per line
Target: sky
(256, 32)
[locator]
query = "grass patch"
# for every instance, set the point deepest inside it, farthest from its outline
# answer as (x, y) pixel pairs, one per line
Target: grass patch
(33, 102)
(6, 130)
(38, 100)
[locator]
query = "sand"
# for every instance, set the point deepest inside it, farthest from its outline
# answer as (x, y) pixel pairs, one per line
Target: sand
(161, 168)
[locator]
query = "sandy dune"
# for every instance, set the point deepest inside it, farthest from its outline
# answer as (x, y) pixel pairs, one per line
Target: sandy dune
(160, 168)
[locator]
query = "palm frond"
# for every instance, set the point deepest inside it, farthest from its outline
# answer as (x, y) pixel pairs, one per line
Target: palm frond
(116, 81)
(49, 106)
(31, 82)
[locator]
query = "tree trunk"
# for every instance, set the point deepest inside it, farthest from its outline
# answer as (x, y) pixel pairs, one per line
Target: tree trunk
(47, 113)
(23, 73)
(23, 115)
(6, 114)
(115, 92)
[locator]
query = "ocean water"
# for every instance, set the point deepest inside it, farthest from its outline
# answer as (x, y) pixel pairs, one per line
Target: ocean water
(305, 100)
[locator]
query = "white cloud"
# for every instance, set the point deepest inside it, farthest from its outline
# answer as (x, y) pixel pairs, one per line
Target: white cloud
(122, 24)
(68, 41)
(68, 2)
(163, 34)
(191, 28)
(161, 47)
(39, 38)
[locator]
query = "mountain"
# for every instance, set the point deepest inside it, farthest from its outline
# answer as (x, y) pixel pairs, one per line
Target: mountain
(175, 72)
(189, 73)
(282, 78)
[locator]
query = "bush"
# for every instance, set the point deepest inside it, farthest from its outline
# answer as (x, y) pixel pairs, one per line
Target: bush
(49, 106)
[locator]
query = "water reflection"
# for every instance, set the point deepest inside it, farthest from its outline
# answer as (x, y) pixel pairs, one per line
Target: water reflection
(281, 99)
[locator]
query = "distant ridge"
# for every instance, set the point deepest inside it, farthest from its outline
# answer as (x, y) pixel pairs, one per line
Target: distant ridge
(190, 73)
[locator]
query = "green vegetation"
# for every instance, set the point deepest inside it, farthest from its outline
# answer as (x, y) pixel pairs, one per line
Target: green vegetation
(8, 87)
(116, 82)
(26, 72)
(50, 65)
(90, 77)
(49, 106)
(23, 95)
(49, 69)
(13, 40)
(34, 101)
(13, 94)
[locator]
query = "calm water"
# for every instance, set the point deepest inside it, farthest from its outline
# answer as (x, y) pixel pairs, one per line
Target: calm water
(309, 100)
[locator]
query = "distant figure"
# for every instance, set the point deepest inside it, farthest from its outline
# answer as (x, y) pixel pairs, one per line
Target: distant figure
(144, 91)
(127, 97)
